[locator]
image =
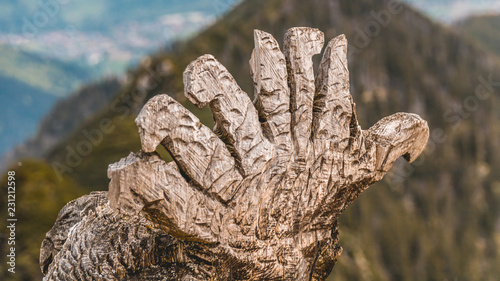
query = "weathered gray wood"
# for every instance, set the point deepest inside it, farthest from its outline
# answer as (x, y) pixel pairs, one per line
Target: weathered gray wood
(254, 200)
(208, 81)
(272, 96)
(195, 148)
(301, 43)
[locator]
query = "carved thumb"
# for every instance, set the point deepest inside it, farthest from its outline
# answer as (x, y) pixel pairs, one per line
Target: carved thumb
(401, 134)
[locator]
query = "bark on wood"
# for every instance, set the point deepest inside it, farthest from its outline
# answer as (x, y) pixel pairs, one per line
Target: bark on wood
(258, 198)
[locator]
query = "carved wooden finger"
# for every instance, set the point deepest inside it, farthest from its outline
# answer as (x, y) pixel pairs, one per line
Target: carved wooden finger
(333, 102)
(272, 96)
(401, 134)
(237, 123)
(144, 182)
(194, 147)
(369, 157)
(333, 120)
(301, 43)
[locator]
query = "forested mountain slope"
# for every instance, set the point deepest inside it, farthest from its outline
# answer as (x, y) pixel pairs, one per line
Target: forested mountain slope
(29, 87)
(483, 30)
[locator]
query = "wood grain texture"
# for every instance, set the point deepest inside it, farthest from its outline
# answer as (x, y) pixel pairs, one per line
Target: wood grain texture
(301, 43)
(195, 148)
(258, 198)
(272, 96)
(237, 122)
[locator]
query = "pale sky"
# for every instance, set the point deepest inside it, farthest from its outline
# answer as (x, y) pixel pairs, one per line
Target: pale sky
(449, 11)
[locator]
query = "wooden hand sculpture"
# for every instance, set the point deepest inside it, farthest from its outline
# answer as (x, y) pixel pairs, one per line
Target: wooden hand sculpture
(258, 197)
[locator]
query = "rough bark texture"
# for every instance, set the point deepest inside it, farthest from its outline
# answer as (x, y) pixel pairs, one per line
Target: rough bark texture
(258, 197)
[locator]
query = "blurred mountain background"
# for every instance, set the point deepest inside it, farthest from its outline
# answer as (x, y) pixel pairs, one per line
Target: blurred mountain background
(437, 219)
(51, 48)
(451, 11)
